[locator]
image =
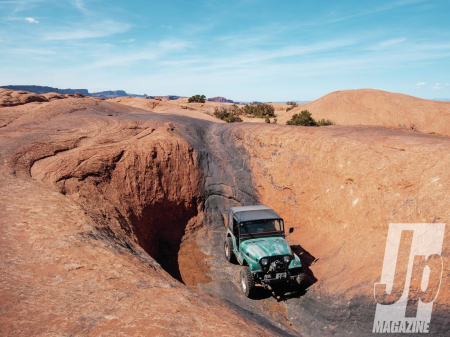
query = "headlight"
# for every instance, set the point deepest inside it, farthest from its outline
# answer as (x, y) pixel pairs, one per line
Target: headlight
(287, 259)
(264, 262)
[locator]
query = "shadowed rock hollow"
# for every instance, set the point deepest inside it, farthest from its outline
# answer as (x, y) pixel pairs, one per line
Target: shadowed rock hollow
(101, 200)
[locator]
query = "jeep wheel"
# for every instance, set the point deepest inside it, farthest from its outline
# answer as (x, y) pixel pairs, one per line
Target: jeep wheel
(228, 249)
(247, 281)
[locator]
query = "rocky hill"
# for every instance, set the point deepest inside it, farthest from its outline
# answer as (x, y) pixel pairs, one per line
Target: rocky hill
(378, 108)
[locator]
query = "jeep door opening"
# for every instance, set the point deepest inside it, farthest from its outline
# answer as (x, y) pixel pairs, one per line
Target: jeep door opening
(255, 238)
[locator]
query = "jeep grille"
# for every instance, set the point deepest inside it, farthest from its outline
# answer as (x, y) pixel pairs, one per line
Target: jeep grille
(274, 258)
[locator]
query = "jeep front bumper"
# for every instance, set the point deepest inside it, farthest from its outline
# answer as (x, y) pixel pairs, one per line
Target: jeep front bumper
(278, 278)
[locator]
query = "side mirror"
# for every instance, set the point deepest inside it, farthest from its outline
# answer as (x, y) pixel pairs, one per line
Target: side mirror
(291, 230)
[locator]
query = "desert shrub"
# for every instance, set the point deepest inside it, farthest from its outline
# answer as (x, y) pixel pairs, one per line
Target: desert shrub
(291, 103)
(230, 115)
(304, 118)
(260, 110)
(324, 122)
(197, 99)
(267, 120)
(292, 106)
(275, 120)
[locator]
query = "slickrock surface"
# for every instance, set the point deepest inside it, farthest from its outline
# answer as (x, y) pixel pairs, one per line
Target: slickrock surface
(347, 107)
(340, 187)
(12, 98)
(68, 266)
(104, 207)
(378, 108)
(179, 107)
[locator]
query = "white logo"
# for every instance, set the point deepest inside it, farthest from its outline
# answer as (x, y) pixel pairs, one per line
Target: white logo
(405, 296)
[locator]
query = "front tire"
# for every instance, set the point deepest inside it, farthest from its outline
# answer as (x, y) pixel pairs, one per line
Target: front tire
(300, 279)
(247, 281)
(228, 250)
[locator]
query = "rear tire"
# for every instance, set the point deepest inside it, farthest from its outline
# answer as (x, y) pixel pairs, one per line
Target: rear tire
(247, 281)
(229, 251)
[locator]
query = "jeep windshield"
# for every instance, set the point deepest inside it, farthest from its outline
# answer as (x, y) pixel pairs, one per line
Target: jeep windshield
(257, 227)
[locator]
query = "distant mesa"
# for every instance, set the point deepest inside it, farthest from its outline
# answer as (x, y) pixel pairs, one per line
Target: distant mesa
(114, 94)
(37, 89)
(220, 100)
(168, 97)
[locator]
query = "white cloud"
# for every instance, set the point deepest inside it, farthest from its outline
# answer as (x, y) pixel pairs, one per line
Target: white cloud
(79, 4)
(101, 29)
(387, 43)
(31, 20)
(391, 42)
(438, 86)
(150, 52)
(420, 84)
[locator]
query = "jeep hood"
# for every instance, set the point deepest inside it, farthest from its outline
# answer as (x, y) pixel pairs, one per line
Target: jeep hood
(262, 247)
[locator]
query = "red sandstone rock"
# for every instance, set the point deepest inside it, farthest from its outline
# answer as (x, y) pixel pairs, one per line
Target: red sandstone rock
(96, 196)
(378, 108)
(70, 264)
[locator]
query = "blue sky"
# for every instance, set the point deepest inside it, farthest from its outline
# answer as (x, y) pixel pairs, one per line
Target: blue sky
(262, 50)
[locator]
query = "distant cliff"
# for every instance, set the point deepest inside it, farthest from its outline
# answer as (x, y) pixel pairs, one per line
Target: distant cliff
(219, 100)
(168, 97)
(37, 89)
(114, 94)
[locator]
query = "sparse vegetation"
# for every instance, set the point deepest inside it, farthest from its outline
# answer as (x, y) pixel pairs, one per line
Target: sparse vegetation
(197, 99)
(325, 122)
(260, 110)
(292, 105)
(438, 134)
(231, 114)
(304, 118)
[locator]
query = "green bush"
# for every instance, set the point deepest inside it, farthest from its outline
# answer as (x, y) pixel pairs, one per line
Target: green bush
(324, 122)
(304, 118)
(260, 110)
(230, 115)
(292, 106)
(197, 99)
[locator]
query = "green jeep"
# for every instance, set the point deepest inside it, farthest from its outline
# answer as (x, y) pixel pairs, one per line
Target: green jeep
(255, 238)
